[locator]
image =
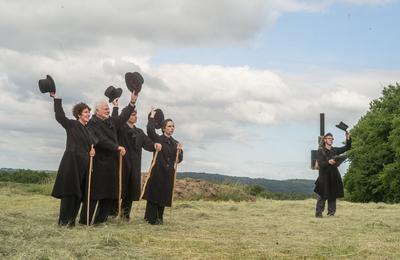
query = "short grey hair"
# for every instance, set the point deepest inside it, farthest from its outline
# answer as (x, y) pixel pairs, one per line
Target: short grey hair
(99, 103)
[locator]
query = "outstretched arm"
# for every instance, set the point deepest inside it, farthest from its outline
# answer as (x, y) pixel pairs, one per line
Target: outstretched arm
(59, 111)
(340, 150)
(126, 112)
(151, 126)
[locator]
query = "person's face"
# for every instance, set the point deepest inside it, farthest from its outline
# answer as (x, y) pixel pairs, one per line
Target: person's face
(103, 111)
(169, 128)
(84, 116)
(329, 140)
(133, 118)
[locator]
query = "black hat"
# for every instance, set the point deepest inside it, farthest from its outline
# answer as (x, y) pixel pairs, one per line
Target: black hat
(134, 81)
(342, 126)
(158, 118)
(113, 93)
(47, 85)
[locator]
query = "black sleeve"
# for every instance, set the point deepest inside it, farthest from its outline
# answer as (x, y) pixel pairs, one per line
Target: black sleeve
(340, 150)
(124, 116)
(147, 143)
(60, 115)
(114, 112)
(151, 130)
(322, 159)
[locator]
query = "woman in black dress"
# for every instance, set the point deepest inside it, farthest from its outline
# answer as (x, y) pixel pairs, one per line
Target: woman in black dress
(71, 177)
(160, 185)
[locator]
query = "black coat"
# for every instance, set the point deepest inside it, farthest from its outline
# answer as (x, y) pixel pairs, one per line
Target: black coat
(105, 163)
(329, 184)
(160, 184)
(133, 139)
(74, 165)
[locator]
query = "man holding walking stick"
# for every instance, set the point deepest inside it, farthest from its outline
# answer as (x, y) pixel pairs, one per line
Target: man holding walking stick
(104, 184)
(134, 140)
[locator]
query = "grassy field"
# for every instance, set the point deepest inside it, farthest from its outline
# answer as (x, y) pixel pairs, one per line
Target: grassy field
(263, 229)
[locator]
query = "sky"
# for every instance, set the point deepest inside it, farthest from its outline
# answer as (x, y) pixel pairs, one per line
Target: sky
(244, 81)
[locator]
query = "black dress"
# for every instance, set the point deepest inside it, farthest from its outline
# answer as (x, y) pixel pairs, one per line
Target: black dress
(159, 187)
(69, 185)
(329, 185)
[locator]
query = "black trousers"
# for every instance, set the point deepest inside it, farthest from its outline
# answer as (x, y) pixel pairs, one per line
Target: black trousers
(321, 206)
(103, 210)
(126, 207)
(154, 213)
(69, 208)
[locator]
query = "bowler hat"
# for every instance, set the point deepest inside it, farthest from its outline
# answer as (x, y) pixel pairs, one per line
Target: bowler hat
(342, 126)
(134, 81)
(113, 93)
(158, 118)
(47, 85)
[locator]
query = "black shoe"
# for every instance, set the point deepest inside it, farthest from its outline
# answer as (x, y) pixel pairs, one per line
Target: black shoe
(331, 214)
(318, 215)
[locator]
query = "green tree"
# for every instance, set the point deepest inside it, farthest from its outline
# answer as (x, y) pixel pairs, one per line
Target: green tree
(374, 174)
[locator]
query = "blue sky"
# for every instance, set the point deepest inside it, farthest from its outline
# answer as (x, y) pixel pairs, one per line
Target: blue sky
(343, 37)
(244, 81)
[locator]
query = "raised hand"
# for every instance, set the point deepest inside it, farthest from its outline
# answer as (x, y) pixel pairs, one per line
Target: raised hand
(115, 102)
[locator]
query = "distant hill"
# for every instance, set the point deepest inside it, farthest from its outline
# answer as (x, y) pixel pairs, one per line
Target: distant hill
(299, 186)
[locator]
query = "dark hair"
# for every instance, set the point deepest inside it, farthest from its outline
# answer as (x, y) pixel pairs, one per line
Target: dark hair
(78, 109)
(164, 123)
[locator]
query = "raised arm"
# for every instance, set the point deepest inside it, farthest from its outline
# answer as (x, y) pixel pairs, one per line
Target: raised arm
(346, 147)
(59, 112)
(151, 127)
(126, 112)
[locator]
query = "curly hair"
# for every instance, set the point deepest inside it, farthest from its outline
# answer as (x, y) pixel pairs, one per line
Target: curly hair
(78, 109)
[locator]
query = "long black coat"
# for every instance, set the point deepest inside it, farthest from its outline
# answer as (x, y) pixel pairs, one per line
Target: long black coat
(160, 184)
(74, 165)
(105, 163)
(329, 184)
(133, 139)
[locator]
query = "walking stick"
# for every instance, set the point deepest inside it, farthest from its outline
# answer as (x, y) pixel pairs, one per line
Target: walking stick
(89, 182)
(120, 186)
(173, 184)
(153, 162)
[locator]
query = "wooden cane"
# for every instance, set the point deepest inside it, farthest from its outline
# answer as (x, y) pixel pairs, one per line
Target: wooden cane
(173, 184)
(89, 182)
(153, 162)
(120, 186)
(94, 213)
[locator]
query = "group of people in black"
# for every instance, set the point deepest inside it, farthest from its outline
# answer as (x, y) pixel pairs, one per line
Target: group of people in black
(100, 141)
(106, 136)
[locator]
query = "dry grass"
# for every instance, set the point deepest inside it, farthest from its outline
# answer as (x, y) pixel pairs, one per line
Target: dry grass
(202, 230)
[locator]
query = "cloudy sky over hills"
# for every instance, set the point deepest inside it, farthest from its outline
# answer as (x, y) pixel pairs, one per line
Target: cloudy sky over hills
(244, 81)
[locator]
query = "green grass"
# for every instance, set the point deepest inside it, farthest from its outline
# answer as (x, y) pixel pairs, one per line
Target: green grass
(263, 229)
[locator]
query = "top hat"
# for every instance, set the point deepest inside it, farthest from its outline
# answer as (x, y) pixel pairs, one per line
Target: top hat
(47, 85)
(342, 126)
(158, 118)
(113, 93)
(134, 81)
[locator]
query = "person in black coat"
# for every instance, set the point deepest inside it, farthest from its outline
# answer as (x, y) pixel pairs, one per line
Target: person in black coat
(159, 187)
(104, 186)
(133, 139)
(329, 185)
(69, 185)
